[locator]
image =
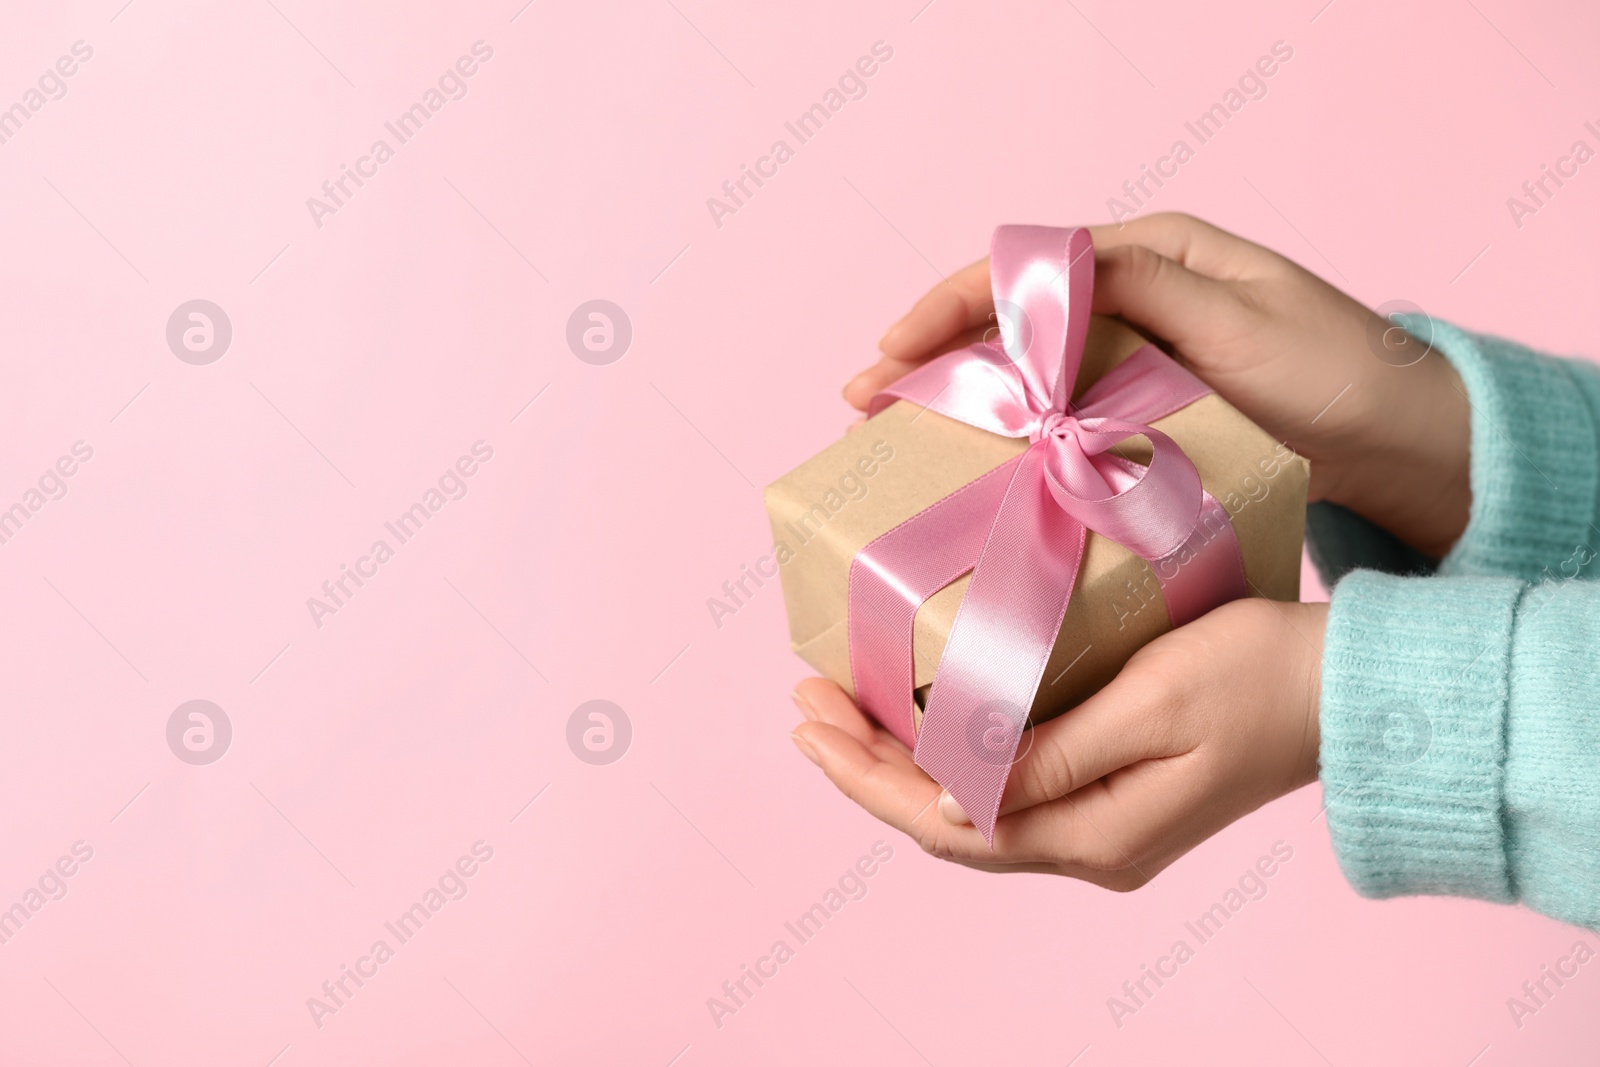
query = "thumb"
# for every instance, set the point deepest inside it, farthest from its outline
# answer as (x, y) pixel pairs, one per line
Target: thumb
(1164, 298)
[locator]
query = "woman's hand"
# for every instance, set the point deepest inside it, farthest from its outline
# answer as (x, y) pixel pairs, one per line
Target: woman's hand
(1296, 355)
(1204, 725)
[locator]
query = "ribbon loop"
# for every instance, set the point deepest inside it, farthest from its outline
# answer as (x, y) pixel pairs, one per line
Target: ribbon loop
(1153, 513)
(1021, 529)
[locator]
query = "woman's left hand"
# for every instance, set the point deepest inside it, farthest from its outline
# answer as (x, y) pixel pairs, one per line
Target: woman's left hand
(1202, 726)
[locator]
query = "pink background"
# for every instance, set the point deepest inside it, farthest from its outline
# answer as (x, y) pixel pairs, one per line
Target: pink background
(369, 353)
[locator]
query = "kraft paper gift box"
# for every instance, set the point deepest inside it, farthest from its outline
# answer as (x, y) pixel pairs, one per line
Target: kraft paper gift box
(902, 460)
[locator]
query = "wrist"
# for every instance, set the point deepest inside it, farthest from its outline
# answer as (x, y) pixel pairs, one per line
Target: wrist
(1411, 471)
(1311, 623)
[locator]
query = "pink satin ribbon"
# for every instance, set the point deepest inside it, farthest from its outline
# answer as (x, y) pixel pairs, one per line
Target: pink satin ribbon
(1021, 528)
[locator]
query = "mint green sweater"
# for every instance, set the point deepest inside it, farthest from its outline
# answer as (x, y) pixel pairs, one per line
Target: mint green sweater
(1461, 697)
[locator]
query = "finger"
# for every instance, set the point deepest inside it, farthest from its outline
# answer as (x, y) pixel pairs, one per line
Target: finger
(1189, 241)
(1120, 881)
(1142, 818)
(1061, 832)
(1060, 836)
(1111, 730)
(1163, 297)
(822, 700)
(1125, 828)
(901, 795)
(1010, 868)
(864, 386)
(898, 793)
(881, 778)
(961, 303)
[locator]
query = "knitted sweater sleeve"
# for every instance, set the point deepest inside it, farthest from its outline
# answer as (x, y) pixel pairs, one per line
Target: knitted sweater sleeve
(1461, 698)
(1535, 469)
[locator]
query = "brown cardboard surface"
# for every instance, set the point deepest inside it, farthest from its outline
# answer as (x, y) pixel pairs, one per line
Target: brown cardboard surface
(904, 459)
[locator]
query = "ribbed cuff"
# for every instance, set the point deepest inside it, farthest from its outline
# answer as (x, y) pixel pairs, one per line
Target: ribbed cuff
(1414, 703)
(1535, 456)
(1552, 736)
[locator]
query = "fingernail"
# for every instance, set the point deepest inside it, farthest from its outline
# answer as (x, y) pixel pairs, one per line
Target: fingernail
(805, 749)
(951, 811)
(805, 708)
(851, 384)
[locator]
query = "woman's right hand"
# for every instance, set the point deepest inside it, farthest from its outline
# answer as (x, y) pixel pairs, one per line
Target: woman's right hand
(1387, 437)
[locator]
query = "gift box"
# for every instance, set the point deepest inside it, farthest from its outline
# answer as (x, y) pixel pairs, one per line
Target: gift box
(931, 474)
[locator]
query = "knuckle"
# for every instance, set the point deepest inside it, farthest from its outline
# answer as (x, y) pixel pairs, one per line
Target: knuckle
(1143, 267)
(1112, 868)
(851, 785)
(932, 840)
(1105, 861)
(1176, 220)
(950, 309)
(1159, 688)
(1181, 230)
(1144, 264)
(1048, 773)
(1125, 881)
(1252, 302)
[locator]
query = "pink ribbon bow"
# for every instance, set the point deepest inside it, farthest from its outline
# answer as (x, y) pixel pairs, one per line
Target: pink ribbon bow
(1021, 528)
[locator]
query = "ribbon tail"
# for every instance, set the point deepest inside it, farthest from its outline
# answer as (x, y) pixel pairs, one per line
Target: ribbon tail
(892, 577)
(1146, 386)
(1002, 638)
